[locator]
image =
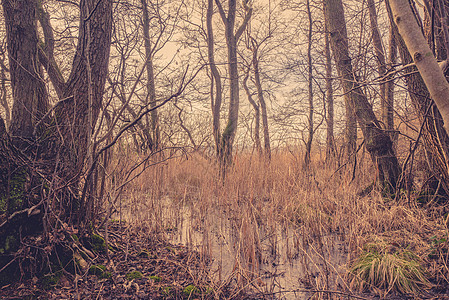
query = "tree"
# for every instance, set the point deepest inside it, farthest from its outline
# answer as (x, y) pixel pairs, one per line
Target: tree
(215, 78)
(45, 150)
(435, 137)
(151, 88)
(256, 111)
(377, 142)
(310, 85)
(330, 143)
(423, 57)
(232, 38)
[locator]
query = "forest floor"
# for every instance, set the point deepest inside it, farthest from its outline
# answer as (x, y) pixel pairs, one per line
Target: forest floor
(268, 231)
(138, 267)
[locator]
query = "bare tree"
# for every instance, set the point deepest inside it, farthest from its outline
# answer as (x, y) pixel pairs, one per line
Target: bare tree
(330, 143)
(151, 87)
(310, 85)
(215, 78)
(377, 142)
(232, 38)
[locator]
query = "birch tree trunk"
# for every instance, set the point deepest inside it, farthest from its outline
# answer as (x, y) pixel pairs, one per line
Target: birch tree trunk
(435, 137)
(377, 142)
(426, 63)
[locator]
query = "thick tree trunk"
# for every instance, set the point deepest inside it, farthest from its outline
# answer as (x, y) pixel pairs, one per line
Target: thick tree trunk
(28, 88)
(436, 139)
(377, 142)
(71, 118)
(423, 58)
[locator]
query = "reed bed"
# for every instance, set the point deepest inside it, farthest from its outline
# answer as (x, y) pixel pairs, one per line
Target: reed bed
(263, 214)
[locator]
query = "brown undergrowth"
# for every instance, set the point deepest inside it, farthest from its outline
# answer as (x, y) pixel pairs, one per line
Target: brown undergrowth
(272, 211)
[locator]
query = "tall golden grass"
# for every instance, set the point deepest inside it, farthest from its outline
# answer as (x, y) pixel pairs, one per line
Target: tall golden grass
(280, 210)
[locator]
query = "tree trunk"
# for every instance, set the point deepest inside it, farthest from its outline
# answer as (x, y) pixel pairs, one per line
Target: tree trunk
(256, 113)
(72, 120)
(310, 86)
(29, 93)
(232, 38)
(263, 105)
(330, 146)
(377, 142)
(215, 80)
(380, 60)
(423, 58)
(151, 88)
(388, 109)
(436, 139)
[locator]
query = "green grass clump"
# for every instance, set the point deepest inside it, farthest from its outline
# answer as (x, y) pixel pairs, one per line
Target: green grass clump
(134, 275)
(400, 272)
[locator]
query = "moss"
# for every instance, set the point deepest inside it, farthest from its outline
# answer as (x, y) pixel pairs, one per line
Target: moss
(17, 183)
(100, 272)
(105, 275)
(98, 243)
(49, 281)
(11, 243)
(155, 278)
(97, 270)
(190, 290)
(167, 290)
(134, 275)
(75, 237)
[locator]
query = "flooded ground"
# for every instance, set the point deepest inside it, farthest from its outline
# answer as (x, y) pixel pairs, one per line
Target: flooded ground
(276, 259)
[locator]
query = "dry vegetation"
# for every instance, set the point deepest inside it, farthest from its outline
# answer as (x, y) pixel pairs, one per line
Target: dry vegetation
(264, 215)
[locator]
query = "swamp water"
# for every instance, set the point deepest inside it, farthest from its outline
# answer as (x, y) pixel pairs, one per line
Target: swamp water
(280, 259)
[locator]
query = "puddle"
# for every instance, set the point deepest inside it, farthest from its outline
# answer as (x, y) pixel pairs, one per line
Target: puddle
(270, 258)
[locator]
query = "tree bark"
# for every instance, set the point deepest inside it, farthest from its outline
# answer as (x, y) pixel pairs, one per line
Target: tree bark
(28, 88)
(215, 80)
(71, 117)
(227, 139)
(423, 58)
(310, 86)
(151, 88)
(377, 142)
(330, 146)
(256, 113)
(260, 96)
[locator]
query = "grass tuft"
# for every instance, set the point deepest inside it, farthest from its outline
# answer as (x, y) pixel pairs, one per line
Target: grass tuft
(400, 271)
